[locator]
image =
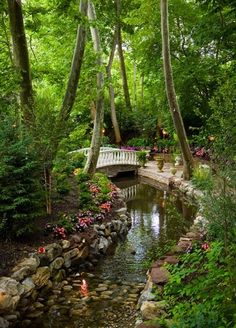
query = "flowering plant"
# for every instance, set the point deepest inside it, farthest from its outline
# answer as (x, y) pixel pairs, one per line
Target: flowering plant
(106, 207)
(59, 232)
(205, 247)
(41, 250)
(94, 189)
(84, 223)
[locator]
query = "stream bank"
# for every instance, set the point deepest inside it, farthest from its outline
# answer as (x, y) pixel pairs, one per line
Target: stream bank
(64, 301)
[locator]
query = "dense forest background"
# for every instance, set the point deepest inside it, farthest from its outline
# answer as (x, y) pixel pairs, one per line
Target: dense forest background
(76, 74)
(48, 104)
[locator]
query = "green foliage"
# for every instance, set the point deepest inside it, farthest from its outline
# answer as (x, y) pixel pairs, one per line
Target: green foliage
(67, 222)
(220, 209)
(93, 192)
(202, 177)
(77, 159)
(21, 194)
(200, 289)
(82, 177)
(138, 142)
(85, 197)
(142, 157)
(62, 183)
(102, 181)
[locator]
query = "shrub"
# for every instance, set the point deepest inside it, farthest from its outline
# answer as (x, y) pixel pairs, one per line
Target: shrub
(202, 177)
(138, 142)
(200, 289)
(142, 157)
(21, 194)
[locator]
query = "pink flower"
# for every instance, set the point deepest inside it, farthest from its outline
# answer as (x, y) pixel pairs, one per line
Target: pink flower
(205, 246)
(41, 250)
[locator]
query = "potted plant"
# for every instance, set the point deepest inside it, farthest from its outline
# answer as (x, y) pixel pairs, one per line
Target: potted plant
(160, 163)
(142, 157)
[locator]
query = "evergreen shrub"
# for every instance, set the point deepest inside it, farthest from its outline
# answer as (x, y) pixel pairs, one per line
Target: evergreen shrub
(21, 193)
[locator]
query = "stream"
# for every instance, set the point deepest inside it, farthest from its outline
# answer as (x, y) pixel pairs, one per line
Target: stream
(109, 295)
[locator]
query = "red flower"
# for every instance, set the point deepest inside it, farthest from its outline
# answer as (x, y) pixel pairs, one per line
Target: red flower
(41, 250)
(106, 206)
(205, 246)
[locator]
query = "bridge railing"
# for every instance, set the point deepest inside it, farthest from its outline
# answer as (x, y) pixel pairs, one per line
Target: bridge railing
(113, 156)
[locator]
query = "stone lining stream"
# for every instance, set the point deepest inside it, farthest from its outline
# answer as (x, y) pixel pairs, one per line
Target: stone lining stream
(107, 297)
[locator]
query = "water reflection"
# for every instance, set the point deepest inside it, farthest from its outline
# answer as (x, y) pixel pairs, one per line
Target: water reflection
(157, 219)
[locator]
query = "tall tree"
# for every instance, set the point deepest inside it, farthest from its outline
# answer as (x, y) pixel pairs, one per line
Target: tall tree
(21, 59)
(121, 55)
(112, 92)
(68, 101)
(76, 65)
(90, 166)
(171, 95)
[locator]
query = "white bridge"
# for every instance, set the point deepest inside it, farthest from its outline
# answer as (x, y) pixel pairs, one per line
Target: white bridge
(113, 156)
(130, 192)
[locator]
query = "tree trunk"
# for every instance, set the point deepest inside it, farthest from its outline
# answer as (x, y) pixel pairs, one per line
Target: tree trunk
(171, 95)
(112, 93)
(21, 59)
(142, 91)
(90, 166)
(121, 56)
(73, 81)
(135, 87)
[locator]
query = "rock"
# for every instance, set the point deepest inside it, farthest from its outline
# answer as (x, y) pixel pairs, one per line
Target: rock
(20, 274)
(148, 325)
(53, 250)
(65, 244)
(158, 264)
(57, 263)
(70, 254)
(4, 323)
(171, 260)
(121, 211)
(31, 263)
(146, 296)
(41, 277)
(26, 323)
(34, 314)
(60, 275)
(6, 301)
(28, 285)
(103, 244)
(114, 235)
(101, 289)
(10, 317)
(11, 286)
(67, 288)
(151, 310)
(184, 245)
(159, 275)
(193, 235)
(38, 305)
(83, 253)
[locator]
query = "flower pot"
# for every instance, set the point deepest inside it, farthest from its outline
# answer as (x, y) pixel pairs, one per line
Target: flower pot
(173, 170)
(142, 163)
(160, 163)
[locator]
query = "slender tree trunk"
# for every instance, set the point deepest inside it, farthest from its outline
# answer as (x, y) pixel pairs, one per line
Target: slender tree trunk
(73, 81)
(21, 59)
(68, 101)
(112, 93)
(121, 56)
(135, 86)
(90, 166)
(142, 90)
(171, 95)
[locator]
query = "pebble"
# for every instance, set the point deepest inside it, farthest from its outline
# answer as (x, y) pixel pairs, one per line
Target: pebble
(67, 288)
